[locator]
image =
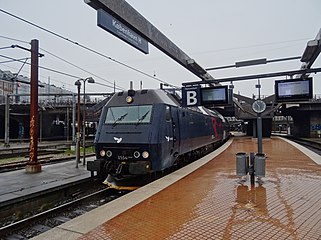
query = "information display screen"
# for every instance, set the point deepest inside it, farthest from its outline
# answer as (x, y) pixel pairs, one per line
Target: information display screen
(293, 90)
(214, 95)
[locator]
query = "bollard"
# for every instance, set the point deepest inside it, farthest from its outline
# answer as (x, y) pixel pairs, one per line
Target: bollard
(241, 164)
(259, 164)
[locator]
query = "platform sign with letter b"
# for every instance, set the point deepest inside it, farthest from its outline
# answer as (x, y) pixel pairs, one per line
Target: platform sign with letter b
(191, 96)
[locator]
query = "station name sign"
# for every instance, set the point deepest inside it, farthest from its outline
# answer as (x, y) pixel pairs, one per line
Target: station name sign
(120, 30)
(197, 96)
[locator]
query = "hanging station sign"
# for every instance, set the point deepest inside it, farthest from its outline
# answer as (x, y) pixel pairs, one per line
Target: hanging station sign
(293, 90)
(217, 95)
(191, 96)
(197, 96)
(120, 30)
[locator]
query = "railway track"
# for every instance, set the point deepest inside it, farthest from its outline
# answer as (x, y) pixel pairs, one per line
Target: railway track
(15, 157)
(22, 149)
(314, 146)
(39, 219)
(45, 159)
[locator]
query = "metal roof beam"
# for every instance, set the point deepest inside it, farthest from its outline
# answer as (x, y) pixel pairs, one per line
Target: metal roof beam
(125, 13)
(310, 53)
(256, 76)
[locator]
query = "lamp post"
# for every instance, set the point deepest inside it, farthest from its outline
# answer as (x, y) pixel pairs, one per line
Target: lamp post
(90, 80)
(78, 84)
(259, 120)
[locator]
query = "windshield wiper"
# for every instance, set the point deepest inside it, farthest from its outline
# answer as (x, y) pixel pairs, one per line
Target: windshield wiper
(119, 119)
(142, 118)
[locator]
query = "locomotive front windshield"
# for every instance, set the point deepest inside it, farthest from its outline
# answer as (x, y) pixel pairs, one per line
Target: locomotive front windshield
(129, 115)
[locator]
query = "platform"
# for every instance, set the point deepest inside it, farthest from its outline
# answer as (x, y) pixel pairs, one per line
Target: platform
(18, 184)
(212, 203)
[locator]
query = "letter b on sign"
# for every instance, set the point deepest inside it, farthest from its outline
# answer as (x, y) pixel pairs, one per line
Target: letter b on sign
(191, 96)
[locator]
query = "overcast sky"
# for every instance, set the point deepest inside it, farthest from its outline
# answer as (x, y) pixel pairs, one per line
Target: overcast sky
(214, 33)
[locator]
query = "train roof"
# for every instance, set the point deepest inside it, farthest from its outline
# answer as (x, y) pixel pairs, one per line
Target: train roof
(143, 97)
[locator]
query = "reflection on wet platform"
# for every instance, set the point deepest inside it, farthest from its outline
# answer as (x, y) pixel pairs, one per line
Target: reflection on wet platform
(211, 203)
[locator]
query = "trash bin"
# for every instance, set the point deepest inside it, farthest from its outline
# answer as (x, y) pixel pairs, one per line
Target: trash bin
(259, 164)
(241, 164)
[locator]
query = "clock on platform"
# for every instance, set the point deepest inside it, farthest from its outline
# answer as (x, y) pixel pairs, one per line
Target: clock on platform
(259, 106)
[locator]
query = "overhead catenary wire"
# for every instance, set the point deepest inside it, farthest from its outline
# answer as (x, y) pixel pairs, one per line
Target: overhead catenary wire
(15, 60)
(53, 70)
(22, 66)
(252, 46)
(1, 48)
(74, 65)
(43, 77)
(56, 71)
(14, 39)
(84, 47)
(105, 56)
(45, 68)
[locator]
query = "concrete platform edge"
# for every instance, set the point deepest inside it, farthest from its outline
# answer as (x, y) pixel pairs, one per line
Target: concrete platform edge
(315, 157)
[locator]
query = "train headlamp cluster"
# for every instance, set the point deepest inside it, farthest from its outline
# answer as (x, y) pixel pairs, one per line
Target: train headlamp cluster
(129, 99)
(137, 154)
(109, 153)
(145, 154)
(102, 153)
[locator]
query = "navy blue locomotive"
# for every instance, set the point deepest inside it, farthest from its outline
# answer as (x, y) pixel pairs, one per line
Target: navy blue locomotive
(147, 131)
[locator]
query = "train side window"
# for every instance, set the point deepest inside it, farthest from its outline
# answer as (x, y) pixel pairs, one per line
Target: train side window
(168, 114)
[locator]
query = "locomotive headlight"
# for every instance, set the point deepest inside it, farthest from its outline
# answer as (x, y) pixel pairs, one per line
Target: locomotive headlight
(109, 153)
(136, 154)
(102, 153)
(145, 154)
(129, 99)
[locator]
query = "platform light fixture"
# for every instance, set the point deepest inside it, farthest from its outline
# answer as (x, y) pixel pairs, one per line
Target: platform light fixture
(89, 80)
(78, 84)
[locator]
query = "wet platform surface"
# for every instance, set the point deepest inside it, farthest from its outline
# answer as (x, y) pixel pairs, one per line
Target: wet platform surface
(211, 203)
